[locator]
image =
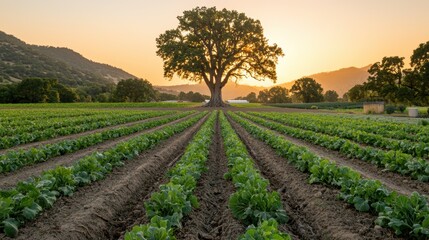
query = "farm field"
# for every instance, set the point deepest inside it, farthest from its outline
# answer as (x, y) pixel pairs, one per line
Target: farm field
(195, 173)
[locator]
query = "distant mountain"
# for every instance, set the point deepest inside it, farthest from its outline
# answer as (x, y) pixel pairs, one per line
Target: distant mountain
(230, 91)
(19, 60)
(340, 80)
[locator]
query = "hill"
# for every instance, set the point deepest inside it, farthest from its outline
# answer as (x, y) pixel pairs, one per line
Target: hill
(340, 80)
(19, 60)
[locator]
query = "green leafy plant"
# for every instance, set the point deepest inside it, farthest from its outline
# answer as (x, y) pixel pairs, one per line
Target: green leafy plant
(407, 215)
(266, 230)
(158, 229)
(252, 203)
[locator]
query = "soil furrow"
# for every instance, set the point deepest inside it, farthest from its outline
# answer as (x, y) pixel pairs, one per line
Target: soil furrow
(10, 179)
(213, 219)
(315, 211)
(103, 209)
(76, 135)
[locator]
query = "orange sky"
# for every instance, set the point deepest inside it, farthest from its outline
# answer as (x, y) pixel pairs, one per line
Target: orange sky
(316, 35)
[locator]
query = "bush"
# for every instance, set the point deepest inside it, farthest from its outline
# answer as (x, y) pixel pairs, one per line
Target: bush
(390, 109)
(423, 123)
(314, 107)
(401, 108)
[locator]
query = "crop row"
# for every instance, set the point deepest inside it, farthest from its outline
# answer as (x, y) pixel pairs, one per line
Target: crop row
(72, 127)
(10, 126)
(167, 207)
(252, 203)
(11, 115)
(349, 131)
(392, 160)
(60, 123)
(407, 215)
(389, 129)
(14, 160)
(29, 198)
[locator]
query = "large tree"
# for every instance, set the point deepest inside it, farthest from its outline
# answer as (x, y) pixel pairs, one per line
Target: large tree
(307, 90)
(386, 78)
(417, 79)
(216, 47)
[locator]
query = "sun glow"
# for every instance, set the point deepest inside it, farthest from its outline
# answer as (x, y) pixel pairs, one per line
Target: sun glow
(327, 36)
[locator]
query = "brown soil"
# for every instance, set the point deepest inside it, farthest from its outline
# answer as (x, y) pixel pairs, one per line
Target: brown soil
(315, 211)
(402, 184)
(98, 211)
(73, 136)
(10, 179)
(213, 219)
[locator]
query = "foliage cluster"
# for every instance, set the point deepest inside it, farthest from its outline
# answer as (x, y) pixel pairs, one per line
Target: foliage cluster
(392, 83)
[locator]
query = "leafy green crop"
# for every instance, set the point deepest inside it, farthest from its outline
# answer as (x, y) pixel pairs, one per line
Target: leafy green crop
(14, 160)
(22, 134)
(29, 198)
(174, 200)
(407, 215)
(252, 203)
(393, 160)
(266, 230)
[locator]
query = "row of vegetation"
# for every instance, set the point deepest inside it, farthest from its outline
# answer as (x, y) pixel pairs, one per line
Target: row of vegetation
(28, 199)
(15, 159)
(304, 90)
(40, 90)
(253, 203)
(167, 207)
(408, 216)
(391, 160)
(16, 136)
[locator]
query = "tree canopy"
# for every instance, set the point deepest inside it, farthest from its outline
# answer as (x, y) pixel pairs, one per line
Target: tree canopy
(274, 95)
(389, 81)
(216, 46)
(331, 96)
(135, 90)
(307, 90)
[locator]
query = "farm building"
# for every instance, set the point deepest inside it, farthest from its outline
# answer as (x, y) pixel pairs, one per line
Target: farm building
(373, 107)
(237, 101)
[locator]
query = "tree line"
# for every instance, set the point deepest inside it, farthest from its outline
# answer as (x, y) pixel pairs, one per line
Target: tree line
(391, 82)
(41, 90)
(304, 90)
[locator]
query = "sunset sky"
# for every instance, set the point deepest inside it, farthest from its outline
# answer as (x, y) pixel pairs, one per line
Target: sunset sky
(315, 35)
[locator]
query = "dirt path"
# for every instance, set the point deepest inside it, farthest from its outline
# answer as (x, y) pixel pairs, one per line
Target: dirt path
(213, 219)
(401, 184)
(314, 210)
(10, 179)
(101, 210)
(76, 135)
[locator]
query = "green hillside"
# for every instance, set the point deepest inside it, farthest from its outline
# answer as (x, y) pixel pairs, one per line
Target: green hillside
(19, 60)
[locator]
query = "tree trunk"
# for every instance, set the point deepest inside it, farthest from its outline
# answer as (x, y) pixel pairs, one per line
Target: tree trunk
(216, 97)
